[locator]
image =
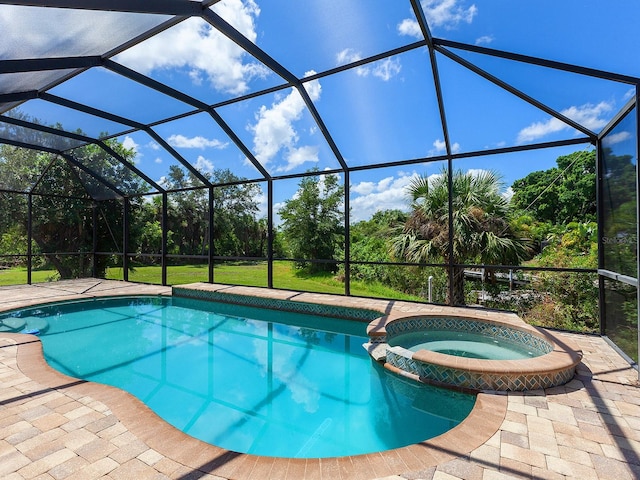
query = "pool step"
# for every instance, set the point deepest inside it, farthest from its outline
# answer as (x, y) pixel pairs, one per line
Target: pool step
(12, 324)
(33, 325)
(378, 351)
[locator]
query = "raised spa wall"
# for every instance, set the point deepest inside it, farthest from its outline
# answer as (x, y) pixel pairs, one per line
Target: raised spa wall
(555, 366)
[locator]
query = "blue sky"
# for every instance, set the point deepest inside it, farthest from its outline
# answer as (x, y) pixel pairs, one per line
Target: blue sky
(380, 112)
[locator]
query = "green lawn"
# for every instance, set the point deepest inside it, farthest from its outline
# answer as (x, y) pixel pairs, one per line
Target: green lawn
(18, 276)
(252, 274)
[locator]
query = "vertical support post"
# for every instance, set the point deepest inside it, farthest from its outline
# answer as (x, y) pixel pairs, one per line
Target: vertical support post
(600, 220)
(270, 233)
(29, 237)
(211, 233)
(638, 222)
(165, 227)
(347, 234)
(94, 221)
(451, 262)
(125, 239)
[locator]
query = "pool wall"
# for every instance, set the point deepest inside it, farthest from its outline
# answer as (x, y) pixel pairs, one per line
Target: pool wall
(555, 366)
(289, 302)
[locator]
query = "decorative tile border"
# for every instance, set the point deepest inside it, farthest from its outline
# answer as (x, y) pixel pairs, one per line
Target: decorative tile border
(402, 359)
(485, 328)
(555, 365)
(290, 305)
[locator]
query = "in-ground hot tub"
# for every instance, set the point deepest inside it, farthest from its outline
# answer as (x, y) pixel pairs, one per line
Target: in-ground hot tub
(472, 349)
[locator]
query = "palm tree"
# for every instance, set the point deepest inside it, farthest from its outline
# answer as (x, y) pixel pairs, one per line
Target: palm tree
(481, 230)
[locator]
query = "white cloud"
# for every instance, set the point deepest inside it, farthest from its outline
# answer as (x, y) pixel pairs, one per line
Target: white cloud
(363, 188)
(614, 138)
(588, 115)
(448, 13)
(206, 54)
(130, 144)
(274, 129)
(440, 147)
(410, 28)
(181, 141)
(439, 13)
(204, 165)
(158, 160)
(347, 55)
(388, 193)
(384, 69)
(484, 40)
(299, 156)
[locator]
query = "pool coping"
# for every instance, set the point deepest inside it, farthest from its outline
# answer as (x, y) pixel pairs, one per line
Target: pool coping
(482, 423)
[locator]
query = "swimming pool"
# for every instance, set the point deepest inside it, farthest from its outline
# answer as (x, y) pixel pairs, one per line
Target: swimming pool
(251, 380)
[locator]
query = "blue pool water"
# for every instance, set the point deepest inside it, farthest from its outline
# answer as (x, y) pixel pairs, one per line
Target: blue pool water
(251, 380)
(463, 344)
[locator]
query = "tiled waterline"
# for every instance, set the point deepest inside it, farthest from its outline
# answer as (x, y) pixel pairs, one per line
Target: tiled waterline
(53, 428)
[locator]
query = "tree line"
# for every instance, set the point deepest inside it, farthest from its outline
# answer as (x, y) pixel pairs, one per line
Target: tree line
(549, 207)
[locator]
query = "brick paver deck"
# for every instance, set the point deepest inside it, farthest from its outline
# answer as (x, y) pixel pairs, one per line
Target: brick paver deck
(55, 427)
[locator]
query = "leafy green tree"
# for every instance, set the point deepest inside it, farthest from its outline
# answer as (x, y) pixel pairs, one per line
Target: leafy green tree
(370, 242)
(187, 213)
(236, 229)
(562, 194)
(62, 213)
(313, 222)
(569, 299)
(619, 213)
(481, 229)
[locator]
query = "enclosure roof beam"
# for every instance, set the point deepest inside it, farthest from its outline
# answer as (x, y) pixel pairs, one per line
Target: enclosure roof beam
(18, 96)
(44, 172)
(90, 110)
(239, 143)
(567, 67)
(422, 22)
(29, 146)
(247, 45)
(194, 102)
(153, 84)
(90, 172)
(173, 152)
(424, 27)
(515, 91)
(236, 37)
(158, 7)
(42, 64)
(84, 139)
(479, 153)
